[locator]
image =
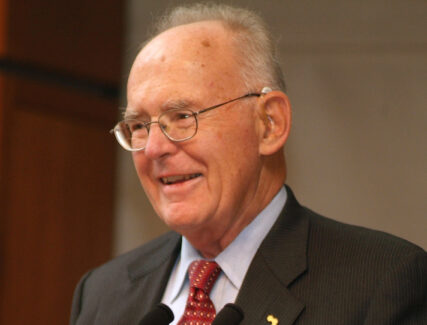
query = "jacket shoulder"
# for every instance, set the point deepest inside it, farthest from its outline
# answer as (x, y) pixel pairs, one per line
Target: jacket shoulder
(109, 284)
(146, 257)
(345, 238)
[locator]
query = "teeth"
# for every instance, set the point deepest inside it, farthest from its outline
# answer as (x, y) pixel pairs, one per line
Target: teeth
(178, 178)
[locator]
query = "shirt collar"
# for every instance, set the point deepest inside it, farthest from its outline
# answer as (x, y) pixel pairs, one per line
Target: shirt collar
(188, 254)
(236, 258)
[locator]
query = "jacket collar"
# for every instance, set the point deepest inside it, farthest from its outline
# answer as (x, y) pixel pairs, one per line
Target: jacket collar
(162, 249)
(280, 259)
(149, 274)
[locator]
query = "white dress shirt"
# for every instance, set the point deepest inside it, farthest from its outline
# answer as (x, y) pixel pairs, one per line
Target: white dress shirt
(234, 262)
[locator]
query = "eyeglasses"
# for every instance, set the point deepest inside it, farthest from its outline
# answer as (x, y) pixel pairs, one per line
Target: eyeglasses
(177, 125)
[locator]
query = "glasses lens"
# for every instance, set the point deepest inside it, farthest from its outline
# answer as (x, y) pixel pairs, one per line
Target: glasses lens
(178, 124)
(131, 134)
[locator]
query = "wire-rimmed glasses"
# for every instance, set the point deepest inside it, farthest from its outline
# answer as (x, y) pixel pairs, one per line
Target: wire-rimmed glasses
(177, 125)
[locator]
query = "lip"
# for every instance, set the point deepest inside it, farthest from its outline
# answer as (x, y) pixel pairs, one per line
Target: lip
(182, 187)
(178, 178)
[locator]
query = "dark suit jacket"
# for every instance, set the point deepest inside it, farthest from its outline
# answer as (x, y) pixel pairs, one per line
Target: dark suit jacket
(308, 270)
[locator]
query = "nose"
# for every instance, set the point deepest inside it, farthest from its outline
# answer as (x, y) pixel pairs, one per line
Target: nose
(158, 144)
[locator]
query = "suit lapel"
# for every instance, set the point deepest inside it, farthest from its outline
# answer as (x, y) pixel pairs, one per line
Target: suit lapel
(280, 259)
(149, 275)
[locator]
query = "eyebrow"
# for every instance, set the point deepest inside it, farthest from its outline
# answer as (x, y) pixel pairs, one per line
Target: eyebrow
(168, 105)
(176, 104)
(130, 114)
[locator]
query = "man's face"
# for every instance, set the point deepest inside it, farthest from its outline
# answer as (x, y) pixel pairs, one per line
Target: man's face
(212, 178)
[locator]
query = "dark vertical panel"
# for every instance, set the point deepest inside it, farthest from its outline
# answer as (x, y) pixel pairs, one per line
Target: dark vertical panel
(56, 199)
(58, 203)
(59, 71)
(2, 111)
(79, 37)
(3, 25)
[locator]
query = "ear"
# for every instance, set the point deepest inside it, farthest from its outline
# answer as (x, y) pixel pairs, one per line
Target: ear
(274, 121)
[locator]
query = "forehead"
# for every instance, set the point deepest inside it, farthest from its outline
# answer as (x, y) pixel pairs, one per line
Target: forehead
(196, 59)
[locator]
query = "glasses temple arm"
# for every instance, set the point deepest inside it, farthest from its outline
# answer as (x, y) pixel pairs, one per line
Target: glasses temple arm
(227, 102)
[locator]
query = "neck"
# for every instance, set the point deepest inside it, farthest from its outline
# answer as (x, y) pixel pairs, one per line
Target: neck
(210, 241)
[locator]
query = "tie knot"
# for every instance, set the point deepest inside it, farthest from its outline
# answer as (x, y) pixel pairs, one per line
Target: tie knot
(203, 274)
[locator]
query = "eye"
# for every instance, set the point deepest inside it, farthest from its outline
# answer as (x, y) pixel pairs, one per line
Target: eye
(179, 115)
(176, 116)
(181, 119)
(134, 125)
(184, 115)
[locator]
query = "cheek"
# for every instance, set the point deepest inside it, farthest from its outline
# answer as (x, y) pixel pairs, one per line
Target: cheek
(242, 141)
(141, 166)
(138, 162)
(220, 136)
(235, 149)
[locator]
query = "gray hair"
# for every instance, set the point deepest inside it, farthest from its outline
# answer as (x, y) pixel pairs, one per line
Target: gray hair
(257, 58)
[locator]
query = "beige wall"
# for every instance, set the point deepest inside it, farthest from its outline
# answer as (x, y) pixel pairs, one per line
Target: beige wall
(357, 77)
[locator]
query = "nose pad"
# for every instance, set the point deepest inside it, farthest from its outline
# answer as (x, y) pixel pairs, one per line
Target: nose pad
(158, 144)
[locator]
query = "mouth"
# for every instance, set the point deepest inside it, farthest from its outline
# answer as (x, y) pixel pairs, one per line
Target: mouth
(170, 180)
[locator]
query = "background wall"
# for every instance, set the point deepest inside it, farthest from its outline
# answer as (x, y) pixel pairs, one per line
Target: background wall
(357, 77)
(57, 160)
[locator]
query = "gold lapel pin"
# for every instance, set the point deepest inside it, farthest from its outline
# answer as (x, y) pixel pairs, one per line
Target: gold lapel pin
(273, 320)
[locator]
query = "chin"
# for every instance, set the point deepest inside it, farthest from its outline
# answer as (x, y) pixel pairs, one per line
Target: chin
(175, 218)
(180, 222)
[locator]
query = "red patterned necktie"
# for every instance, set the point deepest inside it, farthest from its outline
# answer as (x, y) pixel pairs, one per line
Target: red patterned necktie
(199, 309)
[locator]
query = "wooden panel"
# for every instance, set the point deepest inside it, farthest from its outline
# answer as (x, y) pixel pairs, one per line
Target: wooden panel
(59, 71)
(3, 26)
(79, 37)
(58, 203)
(2, 112)
(68, 103)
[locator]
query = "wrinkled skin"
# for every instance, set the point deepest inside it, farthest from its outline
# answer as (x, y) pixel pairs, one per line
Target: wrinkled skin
(237, 173)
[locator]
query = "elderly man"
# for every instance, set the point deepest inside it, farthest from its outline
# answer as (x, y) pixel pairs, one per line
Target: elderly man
(206, 122)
